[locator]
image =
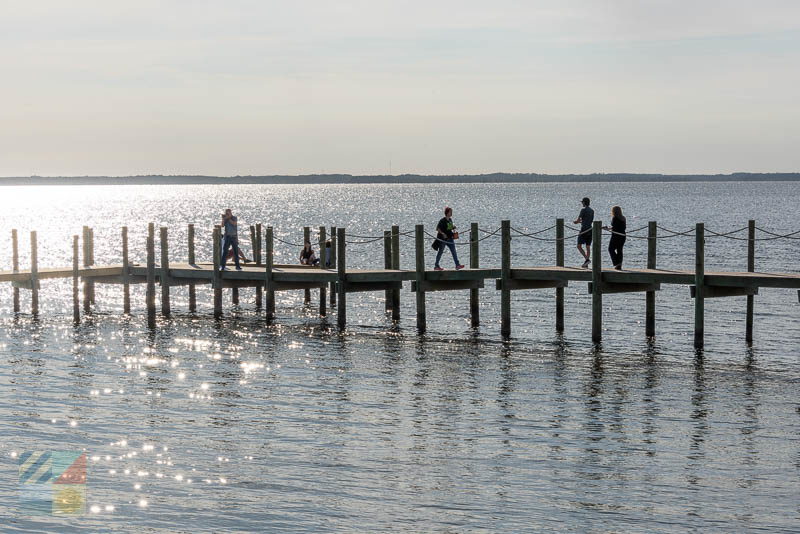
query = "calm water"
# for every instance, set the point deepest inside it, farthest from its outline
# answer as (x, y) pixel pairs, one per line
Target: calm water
(233, 426)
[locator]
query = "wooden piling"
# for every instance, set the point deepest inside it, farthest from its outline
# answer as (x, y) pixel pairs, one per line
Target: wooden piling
(396, 266)
(650, 296)
(505, 275)
(699, 282)
(87, 295)
(151, 277)
(341, 267)
(76, 301)
(258, 260)
(268, 261)
(306, 239)
(474, 263)
(559, 263)
(387, 264)
(34, 275)
(597, 283)
(333, 265)
(164, 278)
(91, 262)
(751, 267)
(126, 285)
(217, 280)
(15, 265)
(419, 255)
(192, 261)
(323, 297)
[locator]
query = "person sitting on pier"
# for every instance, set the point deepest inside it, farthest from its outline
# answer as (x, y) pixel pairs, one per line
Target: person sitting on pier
(307, 256)
(231, 239)
(446, 233)
(617, 241)
(586, 217)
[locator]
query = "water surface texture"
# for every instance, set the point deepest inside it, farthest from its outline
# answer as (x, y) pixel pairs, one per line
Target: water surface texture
(237, 426)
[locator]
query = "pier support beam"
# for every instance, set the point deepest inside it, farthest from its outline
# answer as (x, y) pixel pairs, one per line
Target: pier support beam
(306, 239)
(87, 286)
(341, 268)
(559, 263)
(323, 297)
(76, 301)
(751, 267)
(15, 265)
(699, 281)
(150, 296)
(419, 255)
(505, 275)
(474, 263)
(217, 279)
(387, 264)
(268, 283)
(597, 283)
(396, 266)
(34, 275)
(333, 265)
(164, 278)
(126, 285)
(650, 296)
(192, 261)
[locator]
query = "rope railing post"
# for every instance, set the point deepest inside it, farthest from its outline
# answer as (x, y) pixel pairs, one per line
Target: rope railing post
(87, 295)
(751, 267)
(126, 274)
(323, 297)
(341, 271)
(597, 281)
(150, 291)
(419, 256)
(306, 239)
(164, 272)
(217, 276)
(387, 264)
(650, 296)
(15, 266)
(333, 265)
(268, 284)
(396, 266)
(34, 275)
(559, 263)
(474, 263)
(699, 282)
(257, 258)
(192, 261)
(76, 301)
(505, 274)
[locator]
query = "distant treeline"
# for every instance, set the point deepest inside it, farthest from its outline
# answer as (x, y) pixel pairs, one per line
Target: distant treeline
(499, 177)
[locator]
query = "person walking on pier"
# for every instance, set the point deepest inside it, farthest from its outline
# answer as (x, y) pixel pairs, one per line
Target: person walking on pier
(446, 235)
(231, 239)
(618, 237)
(585, 218)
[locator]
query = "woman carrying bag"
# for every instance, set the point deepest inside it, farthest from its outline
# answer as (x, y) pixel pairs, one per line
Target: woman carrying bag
(445, 235)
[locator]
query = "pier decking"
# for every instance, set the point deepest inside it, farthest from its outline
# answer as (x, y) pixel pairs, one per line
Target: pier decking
(268, 277)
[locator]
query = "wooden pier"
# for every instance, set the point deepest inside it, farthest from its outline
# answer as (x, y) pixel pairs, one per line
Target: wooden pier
(268, 277)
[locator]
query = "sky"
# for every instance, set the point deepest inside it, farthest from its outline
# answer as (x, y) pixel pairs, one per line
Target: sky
(263, 87)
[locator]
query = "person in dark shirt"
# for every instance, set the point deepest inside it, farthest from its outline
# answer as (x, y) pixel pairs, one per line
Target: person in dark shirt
(445, 233)
(231, 239)
(307, 256)
(585, 218)
(617, 241)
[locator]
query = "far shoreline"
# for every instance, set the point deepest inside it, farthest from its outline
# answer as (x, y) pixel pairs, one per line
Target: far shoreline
(347, 179)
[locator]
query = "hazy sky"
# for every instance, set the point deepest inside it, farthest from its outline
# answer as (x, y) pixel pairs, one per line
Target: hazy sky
(440, 86)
